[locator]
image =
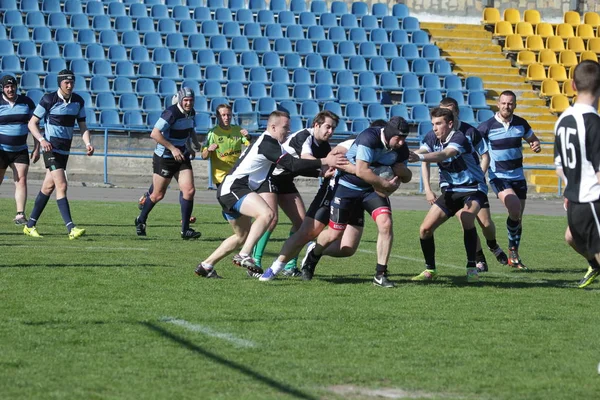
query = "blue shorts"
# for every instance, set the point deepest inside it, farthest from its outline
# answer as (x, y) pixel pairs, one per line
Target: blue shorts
(519, 187)
(235, 210)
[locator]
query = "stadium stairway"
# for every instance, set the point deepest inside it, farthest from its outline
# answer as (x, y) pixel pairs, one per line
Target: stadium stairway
(472, 52)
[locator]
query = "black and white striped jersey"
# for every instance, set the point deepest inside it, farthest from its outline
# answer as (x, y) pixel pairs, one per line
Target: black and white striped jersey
(577, 152)
(258, 161)
(300, 143)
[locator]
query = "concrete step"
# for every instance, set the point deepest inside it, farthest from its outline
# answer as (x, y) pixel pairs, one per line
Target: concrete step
(441, 34)
(536, 116)
(474, 48)
(462, 53)
(484, 68)
(476, 61)
(546, 189)
(539, 159)
(500, 79)
(452, 26)
(545, 180)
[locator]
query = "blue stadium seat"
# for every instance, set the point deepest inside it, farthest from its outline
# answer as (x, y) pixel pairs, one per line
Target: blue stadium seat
(99, 84)
(457, 95)
(133, 119)
(484, 114)
(227, 58)
(309, 108)
(419, 113)
(379, 36)
(32, 19)
(153, 40)
(301, 76)
(286, 19)
(335, 108)
(390, 23)
(152, 117)
(236, 5)
(35, 95)
(297, 6)
(240, 44)
(290, 107)
(202, 14)
(223, 15)
(466, 114)
(94, 52)
(252, 30)
(379, 9)
(236, 73)
(194, 3)
(324, 93)
(325, 48)
(196, 42)
(399, 110)
(102, 68)
(166, 26)
(367, 96)
(110, 119)
(376, 111)
(313, 62)
(442, 67)
(367, 79)
(32, 64)
(201, 103)
(389, 51)
(339, 8)
(261, 45)
(161, 55)
(278, 5)
(47, 51)
(206, 57)
(122, 85)
(328, 20)
(420, 66)
(400, 37)
(410, 51)
(346, 49)
(318, 7)
(295, 33)
(369, 22)
(49, 82)
(302, 93)
(474, 84)
(215, 74)
(280, 92)
(11, 64)
(307, 19)
(25, 6)
(431, 81)
(99, 23)
(231, 29)
(359, 8)
(293, 61)
(195, 86)
(19, 34)
(242, 106)
(193, 72)
(212, 89)
(296, 124)
(210, 28)
(410, 24)
(41, 34)
(188, 27)
(283, 46)
(167, 87)
(410, 81)
(258, 75)
(137, 10)
(273, 31)
(430, 52)
(214, 4)
(424, 127)
(249, 59)
(151, 102)
(357, 64)
(72, 51)
(139, 54)
(378, 65)
(180, 13)
(159, 11)
(184, 57)
(337, 34)
(26, 49)
(315, 33)
(280, 75)
(235, 90)
(94, 8)
(367, 49)
(346, 94)
(400, 11)
(265, 17)
(304, 47)
(108, 38)
(345, 78)
(388, 81)
(105, 101)
(324, 77)
(51, 6)
(170, 71)
(359, 125)
(80, 67)
(432, 97)
(411, 97)
(257, 90)
(84, 36)
(453, 82)
(203, 122)
(130, 39)
(144, 86)
(79, 22)
(420, 38)
(116, 9)
(55, 65)
(266, 106)
(477, 100)
(358, 35)
(215, 102)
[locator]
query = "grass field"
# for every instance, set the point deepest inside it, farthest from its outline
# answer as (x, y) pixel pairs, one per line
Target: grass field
(113, 316)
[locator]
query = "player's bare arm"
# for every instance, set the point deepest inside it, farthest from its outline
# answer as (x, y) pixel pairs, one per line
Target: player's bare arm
(160, 139)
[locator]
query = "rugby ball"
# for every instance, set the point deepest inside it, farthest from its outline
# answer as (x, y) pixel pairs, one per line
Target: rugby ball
(384, 171)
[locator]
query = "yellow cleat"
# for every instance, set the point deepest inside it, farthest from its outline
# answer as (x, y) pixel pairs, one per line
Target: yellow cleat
(588, 278)
(426, 276)
(76, 232)
(31, 232)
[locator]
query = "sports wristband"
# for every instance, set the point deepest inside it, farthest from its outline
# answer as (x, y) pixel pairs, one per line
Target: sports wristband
(421, 157)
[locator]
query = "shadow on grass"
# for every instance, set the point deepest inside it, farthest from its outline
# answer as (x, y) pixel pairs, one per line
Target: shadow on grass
(64, 265)
(228, 363)
(353, 279)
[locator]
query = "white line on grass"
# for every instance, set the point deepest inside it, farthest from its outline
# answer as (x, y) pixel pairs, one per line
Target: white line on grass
(93, 248)
(452, 266)
(209, 332)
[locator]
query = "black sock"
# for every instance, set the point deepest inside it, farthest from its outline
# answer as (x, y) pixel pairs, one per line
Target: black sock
(480, 257)
(593, 263)
(492, 244)
(428, 248)
(470, 239)
(148, 206)
(186, 212)
(65, 212)
(514, 232)
(381, 269)
(40, 203)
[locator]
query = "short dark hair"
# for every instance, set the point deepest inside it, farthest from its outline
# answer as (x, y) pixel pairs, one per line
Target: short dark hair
(445, 113)
(587, 77)
(224, 105)
(320, 118)
(378, 123)
(508, 93)
(277, 114)
(449, 102)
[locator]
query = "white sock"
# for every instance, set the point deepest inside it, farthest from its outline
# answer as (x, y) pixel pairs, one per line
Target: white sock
(277, 266)
(207, 267)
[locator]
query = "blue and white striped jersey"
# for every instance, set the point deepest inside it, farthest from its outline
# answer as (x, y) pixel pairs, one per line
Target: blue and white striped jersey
(13, 123)
(176, 127)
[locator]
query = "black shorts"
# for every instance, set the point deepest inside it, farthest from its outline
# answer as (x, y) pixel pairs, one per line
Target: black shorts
(13, 157)
(319, 209)
(519, 187)
(486, 205)
(347, 202)
(284, 184)
(267, 187)
(54, 161)
(452, 202)
(229, 199)
(584, 223)
(168, 167)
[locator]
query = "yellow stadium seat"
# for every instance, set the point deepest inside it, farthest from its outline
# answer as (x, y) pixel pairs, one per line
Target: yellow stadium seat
(567, 88)
(572, 18)
(549, 88)
(568, 58)
(524, 29)
(544, 29)
(588, 55)
(536, 73)
(585, 31)
(565, 30)
(534, 43)
(491, 15)
(547, 57)
(559, 103)
(532, 16)
(591, 18)
(558, 72)
(575, 44)
(503, 29)
(513, 44)
(570, 73)
(525, 57)
(555, 43)
(512, 15)
(594, 45)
